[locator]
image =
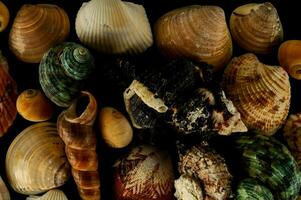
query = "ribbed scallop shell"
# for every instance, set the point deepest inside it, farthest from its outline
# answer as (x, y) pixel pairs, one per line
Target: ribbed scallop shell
(63, 72)
(256, 27)
(114, 26)
(36, 161)
(261, 93)
(50, 195)
(4, 194)
(36, 29)
(252, 189)
(8, 96)
(195, 32)
(4, 16)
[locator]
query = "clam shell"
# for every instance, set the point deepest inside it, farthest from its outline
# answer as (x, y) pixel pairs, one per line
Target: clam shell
(114, 26)
(289, 56)
(256, 27)
(4, 16)
(36, 161)
(261, 93)
(50, 195)
(195, 32)
(252, 189)
(4, 194)
(34, 106)
(8, 96)
(36, 29)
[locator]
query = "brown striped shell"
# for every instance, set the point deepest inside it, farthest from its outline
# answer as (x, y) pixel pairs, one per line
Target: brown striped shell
(4, 194)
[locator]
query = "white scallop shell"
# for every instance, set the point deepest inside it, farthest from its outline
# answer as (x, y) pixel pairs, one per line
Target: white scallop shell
(4, 194)
(50, 195)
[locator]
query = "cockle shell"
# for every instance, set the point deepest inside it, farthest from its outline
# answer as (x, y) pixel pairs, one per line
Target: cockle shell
(36, 161)
(4, 16)
(253, 189)
(34, 106)
(54, 194)
(36, 29)
(195, 32)
(289, 56)
(146, 173)
(4, 194)
(261, 93)
(63, 72)
(256, 27)
(114, 26)
(8, 96)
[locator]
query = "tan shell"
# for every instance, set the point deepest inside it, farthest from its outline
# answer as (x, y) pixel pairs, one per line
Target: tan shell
(36, 29)
(114, 128)
(289, 56)
(261, 93)
(4, 194)
(4, 16)
(33, 105)
(50, 195)
(256, 27)
(195, 32)
(114, 26)
(36, 161)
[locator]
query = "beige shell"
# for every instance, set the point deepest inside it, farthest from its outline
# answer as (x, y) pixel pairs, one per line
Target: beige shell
(36, 29)
(36, 161)
(4, 16)
(4, 194)
(256, 27)
(54, 194)
(195, 32)
(114, 26)
(261, 93)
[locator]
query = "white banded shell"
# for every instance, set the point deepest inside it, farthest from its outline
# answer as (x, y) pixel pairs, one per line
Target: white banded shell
(261, 93)
(50, 195)
(36, 161)
(113, 26)
(4, 194)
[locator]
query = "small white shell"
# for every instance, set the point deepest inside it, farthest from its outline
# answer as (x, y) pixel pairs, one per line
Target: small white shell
(50, 195)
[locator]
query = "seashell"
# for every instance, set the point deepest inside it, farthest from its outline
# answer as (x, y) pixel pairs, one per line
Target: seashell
(114, 26)
(50, 195)
(4, 16)
(8, 96)
(188, 188)
(252, 189)
(195, 32)
(256, 27)
(76, 130)
(36, 29)
(269, 161)
(4, 194)
(146, 173)
(63, 71)
(209, 169)
(115, 128)
(289, 57)
(261, 93)
(34, 106)
(38, 148)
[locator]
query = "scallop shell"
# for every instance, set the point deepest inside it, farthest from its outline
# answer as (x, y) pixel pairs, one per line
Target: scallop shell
(4, 16)
(34, 106)
(261, 93)
(50, 195)
(195, 32)
(146, 173)
(36, 29)
(8, 96)
(63, 72)
(289, 56)
(252, 189)
(36, 161)
(4, 194)
(114, 26)
(256, 27)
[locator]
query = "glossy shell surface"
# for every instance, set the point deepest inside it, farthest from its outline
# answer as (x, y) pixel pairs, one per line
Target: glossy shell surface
(4, 16)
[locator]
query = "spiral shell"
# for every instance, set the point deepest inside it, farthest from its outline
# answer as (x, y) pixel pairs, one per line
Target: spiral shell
(36, 161)
(4, 16)
(50, 195)
(252, 189)
(195, 32)
(4, 194)
(63, 71)
(256, 27)
(36, 29)
(261, 93)
(114, 26)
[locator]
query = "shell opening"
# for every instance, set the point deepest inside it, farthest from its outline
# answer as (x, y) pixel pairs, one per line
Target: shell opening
(81, 105)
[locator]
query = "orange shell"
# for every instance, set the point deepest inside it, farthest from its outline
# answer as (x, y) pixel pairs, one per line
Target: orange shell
(4, 16)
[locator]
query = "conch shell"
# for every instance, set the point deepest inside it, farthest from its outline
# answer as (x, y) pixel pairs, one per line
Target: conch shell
(261, 93)
(114, 26)
(195, 32)
(36, 29)
(256, 27)
(8, 96)
(4, 194)
(54, 194)
(76, 130)
(4, 16)
(289, 56)
(36, 161)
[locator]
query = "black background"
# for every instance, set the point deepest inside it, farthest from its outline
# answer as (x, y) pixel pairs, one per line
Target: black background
(26, 75)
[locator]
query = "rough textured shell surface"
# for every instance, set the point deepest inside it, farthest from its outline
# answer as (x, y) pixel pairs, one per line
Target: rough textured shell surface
(195, 32)
(4, 16)
(114, 26)
(4, 194)
(252, 189)
(50, 195)
(36, 29)
(261, 93)
(63, 71)
(188, 188)
(36, 161)
(256, 27)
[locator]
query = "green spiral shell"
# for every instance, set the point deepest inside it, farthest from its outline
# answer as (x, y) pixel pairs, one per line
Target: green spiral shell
(250, 189)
